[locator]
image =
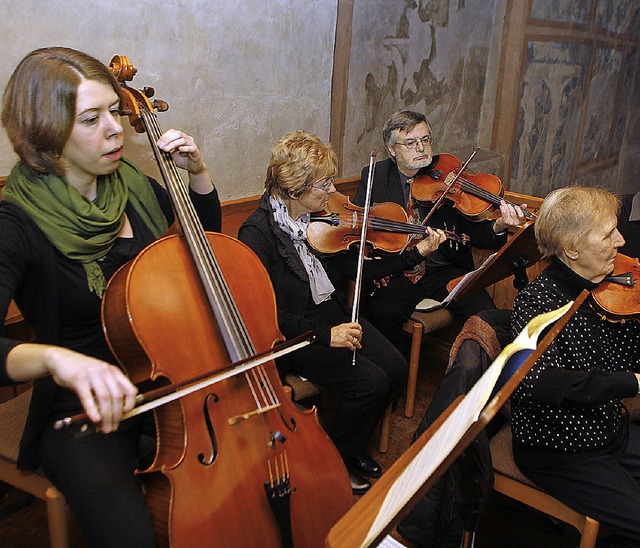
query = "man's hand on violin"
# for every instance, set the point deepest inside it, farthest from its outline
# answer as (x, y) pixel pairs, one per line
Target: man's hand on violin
(346, 335)
(186, 155)
(431, 242)
(510, 217)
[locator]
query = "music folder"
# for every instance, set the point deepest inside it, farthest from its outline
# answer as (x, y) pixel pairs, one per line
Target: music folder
(520, 252)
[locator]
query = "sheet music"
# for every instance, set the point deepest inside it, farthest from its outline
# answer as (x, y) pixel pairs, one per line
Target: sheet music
(467, 279)
(390, 542)
(436, 450)
(456, 425)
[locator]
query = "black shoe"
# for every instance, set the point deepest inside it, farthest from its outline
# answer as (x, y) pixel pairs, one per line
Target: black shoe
(367, 466)
(359, 484)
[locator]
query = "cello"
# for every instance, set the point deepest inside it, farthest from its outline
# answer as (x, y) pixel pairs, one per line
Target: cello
(236, 463)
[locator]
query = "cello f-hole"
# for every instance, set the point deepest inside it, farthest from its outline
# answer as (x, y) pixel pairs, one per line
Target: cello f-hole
(212, 436)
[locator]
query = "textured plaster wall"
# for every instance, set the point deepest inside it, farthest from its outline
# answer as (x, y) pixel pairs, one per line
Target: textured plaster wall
(576, 118)
(237, 75)
(579, 105)
(427, 56)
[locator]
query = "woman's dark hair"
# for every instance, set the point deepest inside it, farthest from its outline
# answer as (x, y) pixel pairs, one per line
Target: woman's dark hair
(39, 103)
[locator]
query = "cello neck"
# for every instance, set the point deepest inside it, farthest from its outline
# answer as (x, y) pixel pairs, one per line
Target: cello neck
(222, 304)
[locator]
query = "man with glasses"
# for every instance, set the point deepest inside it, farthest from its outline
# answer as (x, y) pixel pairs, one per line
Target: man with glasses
(408, 138)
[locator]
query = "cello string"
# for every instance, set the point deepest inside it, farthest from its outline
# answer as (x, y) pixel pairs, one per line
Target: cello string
(213, 275)
(204, 257)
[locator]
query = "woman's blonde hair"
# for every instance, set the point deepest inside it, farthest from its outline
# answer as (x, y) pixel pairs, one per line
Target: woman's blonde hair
(568, 214)
(299, 160)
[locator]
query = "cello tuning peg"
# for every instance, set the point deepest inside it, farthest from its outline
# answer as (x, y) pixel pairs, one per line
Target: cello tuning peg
(160, 105)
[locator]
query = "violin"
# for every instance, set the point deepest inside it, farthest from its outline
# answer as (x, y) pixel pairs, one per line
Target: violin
(338, 227)
(617, 297)
(237, 463)
(476, 195)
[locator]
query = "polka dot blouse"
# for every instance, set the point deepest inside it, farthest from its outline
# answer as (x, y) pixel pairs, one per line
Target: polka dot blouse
(570, 400)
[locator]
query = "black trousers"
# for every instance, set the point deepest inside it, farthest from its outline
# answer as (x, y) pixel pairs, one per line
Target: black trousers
(390, 306)
(604, 487)
(95, 473)
(364, 390)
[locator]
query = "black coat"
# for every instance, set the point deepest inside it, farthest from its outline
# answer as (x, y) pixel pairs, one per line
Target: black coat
(289, 277)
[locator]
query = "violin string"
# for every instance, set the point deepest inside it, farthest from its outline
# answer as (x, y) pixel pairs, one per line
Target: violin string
(474, 189)
(390, 225)
(204, 256)
(395, 226)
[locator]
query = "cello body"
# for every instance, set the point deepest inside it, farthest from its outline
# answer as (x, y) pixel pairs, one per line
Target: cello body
(223, 474)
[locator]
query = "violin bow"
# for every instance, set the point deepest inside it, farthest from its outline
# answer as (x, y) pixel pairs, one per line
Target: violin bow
(166, 394)
(355, 311)
(448, 187)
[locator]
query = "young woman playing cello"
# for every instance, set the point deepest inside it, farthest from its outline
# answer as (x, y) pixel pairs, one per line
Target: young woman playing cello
(74, 210)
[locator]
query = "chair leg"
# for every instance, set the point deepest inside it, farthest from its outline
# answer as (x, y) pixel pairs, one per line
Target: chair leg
(385, 430)
(589, 533)
(58, 519)
(414, 361)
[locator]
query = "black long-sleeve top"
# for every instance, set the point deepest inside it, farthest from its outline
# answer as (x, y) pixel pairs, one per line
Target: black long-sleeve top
(296, 310)
(570, 400)
(54, 298)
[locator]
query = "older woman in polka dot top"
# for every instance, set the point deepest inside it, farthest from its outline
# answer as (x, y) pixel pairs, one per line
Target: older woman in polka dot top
(570, 434)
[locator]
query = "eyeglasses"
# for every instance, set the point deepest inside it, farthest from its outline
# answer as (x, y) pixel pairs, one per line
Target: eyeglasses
(413, 143)
(325, 186)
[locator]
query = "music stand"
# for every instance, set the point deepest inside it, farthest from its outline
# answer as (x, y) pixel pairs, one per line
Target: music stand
(520, 252)
(373, 516)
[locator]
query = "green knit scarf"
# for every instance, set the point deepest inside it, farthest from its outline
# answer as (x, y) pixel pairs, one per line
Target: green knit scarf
(81, 230)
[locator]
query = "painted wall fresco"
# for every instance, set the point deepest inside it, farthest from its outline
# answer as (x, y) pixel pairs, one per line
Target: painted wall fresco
(576, 113)
(576, 11)
(237, 75)
(554, 80)
(429, 56)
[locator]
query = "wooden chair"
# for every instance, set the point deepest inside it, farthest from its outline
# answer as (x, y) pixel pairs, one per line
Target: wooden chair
(510, 481)
(13, 415)
(301, 389)
(420, 324)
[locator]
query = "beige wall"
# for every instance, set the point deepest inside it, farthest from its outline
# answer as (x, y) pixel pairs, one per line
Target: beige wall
(237, 75)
